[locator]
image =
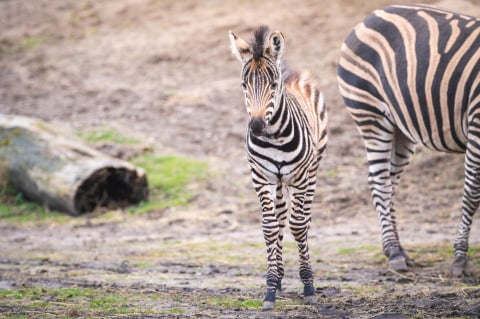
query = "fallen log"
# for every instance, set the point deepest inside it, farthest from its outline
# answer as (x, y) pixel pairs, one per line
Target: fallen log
(56, 170)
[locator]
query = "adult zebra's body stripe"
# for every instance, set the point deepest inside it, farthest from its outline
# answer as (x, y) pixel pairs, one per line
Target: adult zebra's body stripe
(285, 141)
(411, 74)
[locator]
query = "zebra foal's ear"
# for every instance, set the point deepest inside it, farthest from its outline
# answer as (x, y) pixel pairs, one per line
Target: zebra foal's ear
(239, 47)
(276, 45)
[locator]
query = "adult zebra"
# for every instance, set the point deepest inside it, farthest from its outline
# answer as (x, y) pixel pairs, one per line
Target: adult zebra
(410, 74)
(285, 141)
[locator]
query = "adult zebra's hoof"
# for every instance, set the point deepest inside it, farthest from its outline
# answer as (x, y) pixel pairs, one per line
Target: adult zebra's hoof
(268, 305)
(460, 267)
(398, 263)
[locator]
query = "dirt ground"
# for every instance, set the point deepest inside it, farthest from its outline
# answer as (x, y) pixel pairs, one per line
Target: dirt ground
(162, 71)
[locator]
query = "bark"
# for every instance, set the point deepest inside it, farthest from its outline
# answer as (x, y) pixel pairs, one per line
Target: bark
(53, 168)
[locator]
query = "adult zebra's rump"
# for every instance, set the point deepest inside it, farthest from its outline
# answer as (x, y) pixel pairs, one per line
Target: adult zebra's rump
(286, 139)
(410, 74)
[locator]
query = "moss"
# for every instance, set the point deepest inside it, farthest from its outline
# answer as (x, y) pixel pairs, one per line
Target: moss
(168, 179)
(32, 42)
(16, 209)
(103, 135)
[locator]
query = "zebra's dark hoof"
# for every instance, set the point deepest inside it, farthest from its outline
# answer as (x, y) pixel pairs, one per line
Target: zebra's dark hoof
(460, 267)
(268, 305)
(398, 263)
(309, 297)
(269, 301)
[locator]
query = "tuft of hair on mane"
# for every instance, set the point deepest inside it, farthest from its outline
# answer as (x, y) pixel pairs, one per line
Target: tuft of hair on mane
(258, 41)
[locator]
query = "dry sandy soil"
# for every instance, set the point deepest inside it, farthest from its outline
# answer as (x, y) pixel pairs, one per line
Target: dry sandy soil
(162, 71)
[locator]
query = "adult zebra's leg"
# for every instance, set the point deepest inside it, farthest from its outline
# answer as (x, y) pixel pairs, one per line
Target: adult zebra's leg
(302, 199)
(378, 139)
(470, 203)
(271, 231)
(402, 152)
(281, 210)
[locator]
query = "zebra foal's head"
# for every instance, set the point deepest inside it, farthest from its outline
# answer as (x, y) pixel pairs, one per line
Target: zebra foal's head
(261, 74)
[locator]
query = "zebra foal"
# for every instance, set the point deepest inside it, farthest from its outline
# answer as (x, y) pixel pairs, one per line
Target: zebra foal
(286, 138)
(410, 74)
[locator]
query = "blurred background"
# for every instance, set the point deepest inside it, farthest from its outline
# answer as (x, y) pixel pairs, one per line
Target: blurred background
(157, 76)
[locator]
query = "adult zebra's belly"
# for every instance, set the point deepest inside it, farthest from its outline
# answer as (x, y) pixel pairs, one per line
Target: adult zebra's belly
(442, 136)
(438, 139)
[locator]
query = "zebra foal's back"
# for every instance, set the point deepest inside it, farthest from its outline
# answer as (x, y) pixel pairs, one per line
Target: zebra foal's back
(306, 91)
(410, 74)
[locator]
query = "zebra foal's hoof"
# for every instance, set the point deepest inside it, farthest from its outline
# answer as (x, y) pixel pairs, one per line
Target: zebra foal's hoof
(460, 267)
(268, 305)
(309, 296)
(269, 301)
(398, 263)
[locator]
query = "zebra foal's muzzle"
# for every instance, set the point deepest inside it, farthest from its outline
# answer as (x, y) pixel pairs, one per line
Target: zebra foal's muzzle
(257, 126)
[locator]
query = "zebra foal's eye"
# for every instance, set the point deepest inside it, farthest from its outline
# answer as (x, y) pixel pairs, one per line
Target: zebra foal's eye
(273, 85)
(244, 85)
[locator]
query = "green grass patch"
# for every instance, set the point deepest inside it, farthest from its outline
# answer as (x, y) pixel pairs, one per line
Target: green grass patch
(358, 249)
(168, 179)
(176, 311)
(110, 303)
(71, 302)
(32, 42)
(230, 302)
(16, 209)
(106, 135)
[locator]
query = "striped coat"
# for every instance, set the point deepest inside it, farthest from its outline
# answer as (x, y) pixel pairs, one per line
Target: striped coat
(285, 141)
(409, 74)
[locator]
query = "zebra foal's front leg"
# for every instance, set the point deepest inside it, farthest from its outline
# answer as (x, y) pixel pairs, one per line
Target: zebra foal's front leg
(272, 234)
(281, 211)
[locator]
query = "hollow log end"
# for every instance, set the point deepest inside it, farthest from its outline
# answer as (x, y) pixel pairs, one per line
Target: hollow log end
(111, 187)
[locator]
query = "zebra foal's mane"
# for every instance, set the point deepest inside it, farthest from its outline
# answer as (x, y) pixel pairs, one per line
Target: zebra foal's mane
(257, 45)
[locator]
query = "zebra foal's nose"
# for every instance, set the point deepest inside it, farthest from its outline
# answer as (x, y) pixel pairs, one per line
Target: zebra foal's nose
(256, 126)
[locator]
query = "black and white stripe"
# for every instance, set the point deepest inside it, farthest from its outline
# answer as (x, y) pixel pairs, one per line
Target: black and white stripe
(285, 141)
(410, 74)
